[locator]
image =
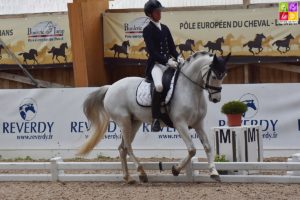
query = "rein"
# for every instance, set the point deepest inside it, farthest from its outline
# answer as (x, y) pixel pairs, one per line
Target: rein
(207, 86)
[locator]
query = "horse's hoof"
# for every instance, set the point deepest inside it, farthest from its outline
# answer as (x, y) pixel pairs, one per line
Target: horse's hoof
(216, 178)
(175, 172)
(143, 178)
(131, 182)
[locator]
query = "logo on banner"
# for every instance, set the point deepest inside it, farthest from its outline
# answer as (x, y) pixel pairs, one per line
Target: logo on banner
(252, 103)
(134, 29)
(288, 12)
(45, 31)
(28, 109)
(27, 127)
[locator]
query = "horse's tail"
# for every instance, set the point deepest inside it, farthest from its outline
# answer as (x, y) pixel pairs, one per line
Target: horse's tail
(113, 48)
(94, 111)
(273, 43)
(245, 44)
(51, 50)
(20, 54)
(207, 44)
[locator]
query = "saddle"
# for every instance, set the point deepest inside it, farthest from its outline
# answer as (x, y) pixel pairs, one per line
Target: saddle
(145, 89)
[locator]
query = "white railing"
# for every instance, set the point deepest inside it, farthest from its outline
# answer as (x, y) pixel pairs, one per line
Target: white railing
(57, 168)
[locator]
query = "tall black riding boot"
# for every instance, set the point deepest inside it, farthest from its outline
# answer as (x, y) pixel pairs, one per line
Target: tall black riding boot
(156, 101)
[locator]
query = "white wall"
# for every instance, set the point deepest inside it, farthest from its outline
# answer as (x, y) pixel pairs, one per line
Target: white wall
(8, 7)
(38, 6)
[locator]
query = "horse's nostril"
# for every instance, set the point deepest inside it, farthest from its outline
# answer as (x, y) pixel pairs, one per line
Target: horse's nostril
(215, 100)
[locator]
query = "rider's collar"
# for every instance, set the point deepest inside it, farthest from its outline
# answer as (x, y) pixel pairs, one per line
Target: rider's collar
(157, 24)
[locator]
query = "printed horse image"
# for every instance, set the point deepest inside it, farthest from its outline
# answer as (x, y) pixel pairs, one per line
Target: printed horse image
(198, 44)
(285, 43)
(144, 49)
(231, 42)
(256, 43)
(202, 71)
(136, 48)
(187, 46)
(29, 56)
(1, 47)
(215, 46)
(59, 52)
(121, 49)
(249, 104)
(266, 42)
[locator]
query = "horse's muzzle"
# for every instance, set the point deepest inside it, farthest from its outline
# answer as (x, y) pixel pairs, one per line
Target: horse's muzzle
(215, 100)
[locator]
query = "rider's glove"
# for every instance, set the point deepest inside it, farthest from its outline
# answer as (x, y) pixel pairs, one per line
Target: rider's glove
(172, 63)
(180, 60)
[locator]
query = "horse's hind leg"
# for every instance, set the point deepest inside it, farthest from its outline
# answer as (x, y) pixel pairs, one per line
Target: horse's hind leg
(209, 152)
(142, 174)
(183, 130)
(123, 156)
(250, 49)
(129, 129)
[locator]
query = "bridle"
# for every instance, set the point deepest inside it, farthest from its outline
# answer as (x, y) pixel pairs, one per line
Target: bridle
(206, 85)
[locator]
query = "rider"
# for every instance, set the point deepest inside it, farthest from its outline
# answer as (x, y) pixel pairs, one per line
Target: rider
(162, 54)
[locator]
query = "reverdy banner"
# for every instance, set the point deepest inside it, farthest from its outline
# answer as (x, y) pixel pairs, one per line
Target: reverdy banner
(37, 41)
(252, 35)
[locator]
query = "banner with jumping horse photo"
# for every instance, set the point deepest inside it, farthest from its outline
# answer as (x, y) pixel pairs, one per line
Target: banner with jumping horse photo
(251, 35)
(37, 41)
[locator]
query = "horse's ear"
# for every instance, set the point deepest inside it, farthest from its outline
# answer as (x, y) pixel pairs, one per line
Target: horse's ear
(215, 60)
(227, 57)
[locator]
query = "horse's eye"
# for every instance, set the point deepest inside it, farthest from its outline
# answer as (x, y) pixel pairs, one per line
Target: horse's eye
(213, 77)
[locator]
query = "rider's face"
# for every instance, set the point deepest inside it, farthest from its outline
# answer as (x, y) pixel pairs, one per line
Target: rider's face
(156, 15)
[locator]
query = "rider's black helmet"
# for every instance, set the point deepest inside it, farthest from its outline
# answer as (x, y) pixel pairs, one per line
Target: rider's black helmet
(150, 6)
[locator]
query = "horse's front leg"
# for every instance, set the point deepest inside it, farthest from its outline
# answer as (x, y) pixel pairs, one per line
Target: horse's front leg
(65, 58)
(209, 152)
(183, 130)
(57, 59)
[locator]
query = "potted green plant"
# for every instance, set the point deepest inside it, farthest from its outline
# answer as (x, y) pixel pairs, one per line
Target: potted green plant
(234, 110)
(221, 158)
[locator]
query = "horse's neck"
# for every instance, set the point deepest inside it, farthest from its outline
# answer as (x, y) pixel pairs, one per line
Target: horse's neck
(258, 39)
(124, 46)
(191, 71)
(62, 49)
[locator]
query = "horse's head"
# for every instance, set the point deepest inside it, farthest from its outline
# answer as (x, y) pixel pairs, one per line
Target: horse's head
(191, 42)
(207, 71)
(289, 37)
(33, 52)
(220, 40)
(260, 36)
(64, 45)
(213, 77)
(126, 43)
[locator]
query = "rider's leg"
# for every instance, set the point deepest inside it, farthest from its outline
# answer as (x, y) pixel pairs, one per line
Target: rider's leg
(157, 73)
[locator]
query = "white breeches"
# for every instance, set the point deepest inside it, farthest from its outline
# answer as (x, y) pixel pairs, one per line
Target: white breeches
(157, 73)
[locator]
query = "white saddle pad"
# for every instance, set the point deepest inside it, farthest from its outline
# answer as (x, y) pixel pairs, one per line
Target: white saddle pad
(143, 95)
